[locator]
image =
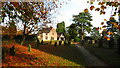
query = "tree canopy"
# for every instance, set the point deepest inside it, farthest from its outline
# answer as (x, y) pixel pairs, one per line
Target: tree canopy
(61, 27)
(27, 15)
(83, 22)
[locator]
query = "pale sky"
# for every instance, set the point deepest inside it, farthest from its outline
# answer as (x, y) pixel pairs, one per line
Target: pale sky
(74, 7)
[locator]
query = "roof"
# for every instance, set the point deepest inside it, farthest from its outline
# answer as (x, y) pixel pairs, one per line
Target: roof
(45, 30)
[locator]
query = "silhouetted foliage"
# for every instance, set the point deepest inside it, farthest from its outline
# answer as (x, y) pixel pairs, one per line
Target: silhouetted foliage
(119, 45)
(4, 51)
(111, 43)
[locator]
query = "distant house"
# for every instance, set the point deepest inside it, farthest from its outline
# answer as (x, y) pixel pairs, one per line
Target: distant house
(47, 34)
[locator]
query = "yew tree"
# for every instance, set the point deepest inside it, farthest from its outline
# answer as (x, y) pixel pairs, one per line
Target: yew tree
(83, 21)
(73, 31)
(95, 33)
(61, 27)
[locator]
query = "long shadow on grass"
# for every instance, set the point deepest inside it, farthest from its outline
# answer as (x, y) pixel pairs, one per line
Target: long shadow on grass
(70, 53)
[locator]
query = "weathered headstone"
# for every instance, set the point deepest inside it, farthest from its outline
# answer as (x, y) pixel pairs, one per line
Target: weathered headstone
(55, 44)
(38, 43)
(42, 42)
(60, 42)
(29, 47)
(13, 51)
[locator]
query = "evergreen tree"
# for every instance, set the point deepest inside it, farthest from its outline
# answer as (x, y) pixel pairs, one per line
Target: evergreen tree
(83, 23)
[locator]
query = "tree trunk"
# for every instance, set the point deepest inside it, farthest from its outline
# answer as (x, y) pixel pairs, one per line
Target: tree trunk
(23, 40)
(82, 38)
(100, 42)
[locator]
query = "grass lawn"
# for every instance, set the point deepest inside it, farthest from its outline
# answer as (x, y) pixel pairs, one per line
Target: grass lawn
(105, 54)
(45, 55)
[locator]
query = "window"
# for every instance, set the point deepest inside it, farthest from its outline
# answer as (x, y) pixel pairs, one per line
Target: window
(52, 38)
(46, 38)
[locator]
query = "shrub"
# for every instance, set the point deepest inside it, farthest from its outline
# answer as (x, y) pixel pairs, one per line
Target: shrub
(31, 38)
(18, 38)
(4, 51)
(5, 37)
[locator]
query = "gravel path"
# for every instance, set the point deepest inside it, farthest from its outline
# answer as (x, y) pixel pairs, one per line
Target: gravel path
(90, 59)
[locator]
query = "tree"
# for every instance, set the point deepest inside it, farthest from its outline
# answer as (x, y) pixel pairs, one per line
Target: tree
(111, 29)
(67, 35)
(83, 22)
(104, 5)
(95, 33)
(28, 14)
(73, 32)
(61, 27)
(12, 29)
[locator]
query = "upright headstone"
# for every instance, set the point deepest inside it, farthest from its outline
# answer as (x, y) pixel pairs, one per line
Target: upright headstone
(13, 51)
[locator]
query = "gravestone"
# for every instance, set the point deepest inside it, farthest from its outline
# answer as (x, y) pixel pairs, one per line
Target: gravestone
(13, 51)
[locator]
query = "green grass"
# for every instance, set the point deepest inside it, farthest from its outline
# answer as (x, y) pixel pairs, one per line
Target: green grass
(108, 55)
(70, 53)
